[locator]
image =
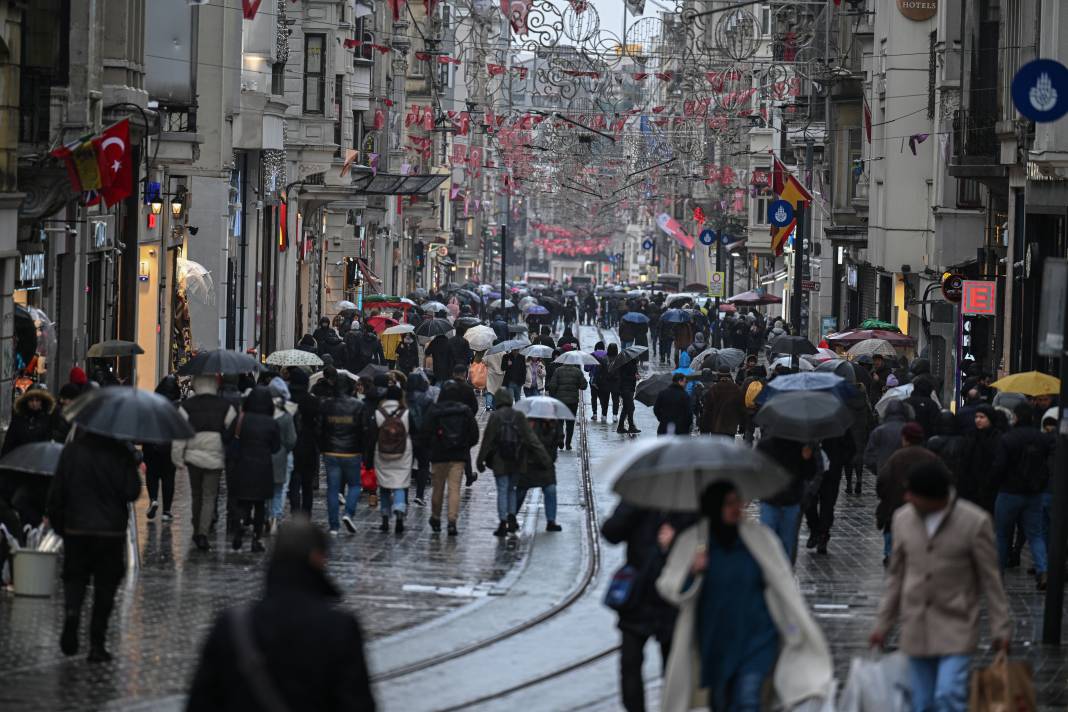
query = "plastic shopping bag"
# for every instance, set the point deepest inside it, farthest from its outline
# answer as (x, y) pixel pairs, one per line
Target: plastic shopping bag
(822, 703)
(877, 684)
(1003, 686)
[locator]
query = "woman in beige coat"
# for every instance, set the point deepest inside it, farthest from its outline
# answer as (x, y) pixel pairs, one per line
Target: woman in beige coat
(748, 640)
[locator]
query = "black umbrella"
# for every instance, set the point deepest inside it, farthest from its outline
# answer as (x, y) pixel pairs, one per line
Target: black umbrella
(466, 295)
(550, 302)
(113, 348)
(434, 327)
(127, 413)
(648, 389)
(804, 416)
(219, 361)
(627, 355)
(792, 346)
(38, 458)
(371, 370)
(450, 287)
(467, 322)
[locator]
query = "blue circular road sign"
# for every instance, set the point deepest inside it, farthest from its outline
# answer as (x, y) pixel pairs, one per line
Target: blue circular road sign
(1040, 90)
(780, 213)
(707, 237)
(647, 244)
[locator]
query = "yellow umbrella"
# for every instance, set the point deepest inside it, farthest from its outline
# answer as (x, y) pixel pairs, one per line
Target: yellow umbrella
(1030, 383)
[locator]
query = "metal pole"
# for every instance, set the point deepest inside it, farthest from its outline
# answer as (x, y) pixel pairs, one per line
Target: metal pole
(802, 324)
(1058, 540)
(504, 271)
(799, 261)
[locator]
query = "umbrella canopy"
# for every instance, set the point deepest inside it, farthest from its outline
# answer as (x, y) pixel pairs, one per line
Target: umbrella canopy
(545, 408)
(434, 327)
(197, 280)
(808, 381)
(848, 338)
(432, 307)
(418, 294)
(754, 298)
(219, 361)
(649, 388)
(577, 358)
(551, 302)
(127, 413)
(878, 324)
(636, 318)
(373, 369)
(294, 357)
(316, 377)
(674, 316)
(38, 458)
(113, 348)
(526, 301)
(380, 323)
(466, 295)
(518, 329)
(839, 367)
(728, 308)
(787, 362)
(399, 329)
(480, 337)
(497, 304)
(792, 346)
(897, 393)
(467, 321)
(538, 351)
(506, 346)
(627, 355)
(714, 358)
(536, 310)
(804, 417)
(671, 472)
(345, 304)
(872, 347)
(1030, 383)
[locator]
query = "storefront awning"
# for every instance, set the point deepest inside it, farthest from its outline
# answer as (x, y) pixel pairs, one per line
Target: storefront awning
(394, 184)
(368, 274)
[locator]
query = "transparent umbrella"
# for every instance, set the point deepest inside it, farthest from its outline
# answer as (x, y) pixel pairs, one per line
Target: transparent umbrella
(197, 280)
(544, 407)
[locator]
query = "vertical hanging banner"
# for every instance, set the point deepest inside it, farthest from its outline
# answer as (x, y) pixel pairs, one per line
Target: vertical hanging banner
(671, 227)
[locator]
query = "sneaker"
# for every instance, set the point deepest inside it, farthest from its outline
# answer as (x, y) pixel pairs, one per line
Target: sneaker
(201, 542)
(501, 529)
(384, 527)
(435, 524)
(420, 501)
(399, 528)
(513, 524)
(333, 533)
(553, 527)
(152, 509)
(166, 518)
(1041, 581)
(593, 418)
(347, 521)
(452, 529)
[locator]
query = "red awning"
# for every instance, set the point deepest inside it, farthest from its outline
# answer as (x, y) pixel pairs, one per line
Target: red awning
(368, 274)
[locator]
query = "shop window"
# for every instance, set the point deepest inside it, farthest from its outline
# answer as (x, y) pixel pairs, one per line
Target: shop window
(765, 20)
(314, 74)
(278, 78)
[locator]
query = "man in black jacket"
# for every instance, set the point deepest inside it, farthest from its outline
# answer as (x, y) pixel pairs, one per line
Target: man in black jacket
(88, 506)
(342, 438)
(468, 398)
(363, 349)
(673, 409)
(305, 475)
(294, 646)
(449, 432)
(645, 614)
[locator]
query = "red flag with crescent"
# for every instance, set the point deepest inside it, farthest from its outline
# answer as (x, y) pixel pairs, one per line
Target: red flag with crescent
(115, 162)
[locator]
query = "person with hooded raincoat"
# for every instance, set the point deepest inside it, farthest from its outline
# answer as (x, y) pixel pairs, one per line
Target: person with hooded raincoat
(255, 438)
(159, 468)
(741, 617)
(284, 411)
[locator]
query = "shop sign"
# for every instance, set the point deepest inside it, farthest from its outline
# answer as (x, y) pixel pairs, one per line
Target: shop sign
(1040, 90)
(31, 270)
(716, 285)
(979, 297)
(100, 234)
(918, 10)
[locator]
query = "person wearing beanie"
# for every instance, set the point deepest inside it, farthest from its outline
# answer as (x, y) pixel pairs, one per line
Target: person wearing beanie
(391, 453)
(893, 474)
(304, 476)
(78, 379)
(986, 459)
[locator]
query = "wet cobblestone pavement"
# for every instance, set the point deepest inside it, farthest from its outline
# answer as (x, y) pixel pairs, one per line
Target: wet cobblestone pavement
(400, 586)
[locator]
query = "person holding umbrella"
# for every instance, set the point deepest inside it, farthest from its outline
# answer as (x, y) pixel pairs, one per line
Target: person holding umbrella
(508, 446)
(673, 409)
(625, 367)
(255, 437)
(159, 467)
(566, 385)
(724, 406)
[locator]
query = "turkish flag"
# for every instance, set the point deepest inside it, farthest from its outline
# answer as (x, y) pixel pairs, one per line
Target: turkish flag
(250, 8)
(115, 162)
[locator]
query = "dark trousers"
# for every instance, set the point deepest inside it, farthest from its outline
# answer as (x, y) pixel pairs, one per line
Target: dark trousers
(258, 510)
(102, 559)
(820, 513)
(627, 413)
(160, 475)
(603, 395)
(631, 658)
(569, 425)
(421, 473)
(302, 487)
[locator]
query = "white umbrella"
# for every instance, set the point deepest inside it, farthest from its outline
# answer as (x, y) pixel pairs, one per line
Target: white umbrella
(480, 337)
(496, 304)
(316, 377)
(871, 347)
(537, 351)
(506, 346)
(432, 307)
(544, 407)
(577, 358)
(527, 301)
(399, 329)
(197, 280)
(345, 304)
(294, 357)
(898, 393)
(803, 364)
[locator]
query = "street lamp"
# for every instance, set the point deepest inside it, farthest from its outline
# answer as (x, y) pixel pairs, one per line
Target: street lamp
(156, 205)
(178, 203)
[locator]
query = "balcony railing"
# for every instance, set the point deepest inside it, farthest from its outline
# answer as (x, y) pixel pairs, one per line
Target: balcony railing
(35, 104)
(178, 119)
(974, 137)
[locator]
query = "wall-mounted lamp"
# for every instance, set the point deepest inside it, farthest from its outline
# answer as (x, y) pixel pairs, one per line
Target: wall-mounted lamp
(178, 202)
(142, 271)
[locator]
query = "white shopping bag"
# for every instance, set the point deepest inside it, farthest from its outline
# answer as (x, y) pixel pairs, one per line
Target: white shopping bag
(877, 684)
(824, 703)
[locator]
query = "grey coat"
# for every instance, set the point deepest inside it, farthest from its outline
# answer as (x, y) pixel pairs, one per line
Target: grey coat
(885, 439)
(288, 432)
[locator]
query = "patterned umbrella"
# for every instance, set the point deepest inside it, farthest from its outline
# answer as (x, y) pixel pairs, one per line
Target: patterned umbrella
(294, 357)
(872, 347)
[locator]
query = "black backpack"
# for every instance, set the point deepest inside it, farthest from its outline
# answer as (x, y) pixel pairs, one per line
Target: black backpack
(510, 441)
(452, 429)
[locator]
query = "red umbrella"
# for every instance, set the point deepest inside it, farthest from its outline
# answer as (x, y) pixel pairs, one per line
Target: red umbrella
(754, 298)
(853, 336)
(381, 323)
(728, 308)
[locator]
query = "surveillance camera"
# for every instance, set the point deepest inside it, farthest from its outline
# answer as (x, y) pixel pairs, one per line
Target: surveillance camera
(121, 245)
(905, 269)
(193, 230)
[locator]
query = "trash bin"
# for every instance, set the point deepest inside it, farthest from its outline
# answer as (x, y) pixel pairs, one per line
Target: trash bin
(33, 573)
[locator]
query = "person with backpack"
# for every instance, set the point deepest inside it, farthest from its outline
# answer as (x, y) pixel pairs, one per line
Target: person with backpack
(506, 446)
(1022, 482)
(477, 376)
(752, 386)
(449, 431)
(363, 348)
(392, 456)
(566, 385)
(924, 408)
(418, 400)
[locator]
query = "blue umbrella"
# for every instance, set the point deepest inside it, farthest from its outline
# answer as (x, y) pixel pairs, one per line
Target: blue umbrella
(684, 371)
(538, 310)
(636, 318)
(493, 294)
(675, 316)
(807, 381)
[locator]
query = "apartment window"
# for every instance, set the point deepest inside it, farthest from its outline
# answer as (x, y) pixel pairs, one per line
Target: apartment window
(760, 209)
(443, 76)
(339, 94)
(314, 73)
(364, 32)
(854, 156)
(278, 78)
(765, 20)
(968, 193)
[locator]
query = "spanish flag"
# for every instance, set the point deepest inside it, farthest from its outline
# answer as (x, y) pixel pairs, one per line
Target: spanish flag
(80, 157)
(788, 188)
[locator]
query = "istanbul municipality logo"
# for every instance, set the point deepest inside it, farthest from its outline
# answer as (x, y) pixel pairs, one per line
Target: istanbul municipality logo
(1039, 90)
(780, 213)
